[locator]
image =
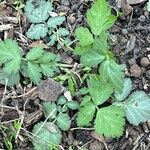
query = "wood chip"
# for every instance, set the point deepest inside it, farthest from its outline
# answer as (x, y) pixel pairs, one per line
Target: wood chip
(132, 2)
(6, 27)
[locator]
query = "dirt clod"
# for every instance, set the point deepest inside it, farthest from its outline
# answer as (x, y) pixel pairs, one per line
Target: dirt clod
(135, 70)
(145, 62)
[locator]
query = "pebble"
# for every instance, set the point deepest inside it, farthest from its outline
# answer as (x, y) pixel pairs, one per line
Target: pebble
(72, 20)
(145, 62)
(135, 70)
(124, 31)
(142, 18)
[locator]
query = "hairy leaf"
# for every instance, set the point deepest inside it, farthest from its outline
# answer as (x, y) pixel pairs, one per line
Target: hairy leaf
(126, 90)
(113, 73)
(50, 108)
(110, 121)
(10, 56)
(99, 90)
(45, 137)
(53, 22)
(84, 36)
(86, 112)
(34, 72)
(99, 17)
(37, 31)
(62, 32)
(38, 11)
(63, 121)
(137, 107)
(35, 53)
(73, 105)
(91, 58)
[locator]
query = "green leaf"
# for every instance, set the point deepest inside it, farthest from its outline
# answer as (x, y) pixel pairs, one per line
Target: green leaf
(92, 58)
(37, 31)
(99, 90)
(12, 79)
(47, 136)
(47, 70)
(62, 32)
(86, 112)
(48, 108)
(84, 36)
(99, 17)
(34, 72)
(53, 39)
(63, 121)
(100, 43)
(137, 107)
(110, 121)
(38, 11)
(148, 5)
(10, 56)
(81, 50)
(126, 90)
(113, 73)
(53, 22)
(73, 105)
(35, 53)
(61, 100)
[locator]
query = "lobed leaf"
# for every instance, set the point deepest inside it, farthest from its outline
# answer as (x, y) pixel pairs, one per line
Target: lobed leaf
(84, 36)
(110, 121)
(37, 31)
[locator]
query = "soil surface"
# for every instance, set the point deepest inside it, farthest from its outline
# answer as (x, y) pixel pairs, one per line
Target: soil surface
(129, 40)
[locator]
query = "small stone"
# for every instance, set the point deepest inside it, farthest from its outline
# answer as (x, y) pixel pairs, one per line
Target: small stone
(124, 31)
(126, 9)
(72, 20)
(142, 18)
(66, 59)
(144, 62)
(135, 70)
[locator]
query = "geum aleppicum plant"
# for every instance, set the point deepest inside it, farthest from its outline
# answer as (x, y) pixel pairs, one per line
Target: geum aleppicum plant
(110, 118)
(45, 22)
(36, 63)
(93, 47)
(48, 134)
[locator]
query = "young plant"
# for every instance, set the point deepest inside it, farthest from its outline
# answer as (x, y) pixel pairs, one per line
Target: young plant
(45, 22)
(33, 65)
(136, 105)
(93, 46)
(48, 134)
(110, 119)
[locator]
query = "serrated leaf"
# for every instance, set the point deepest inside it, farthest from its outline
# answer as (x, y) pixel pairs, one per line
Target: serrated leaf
(53, 39)
(38, 11)
(48, 108)
(81, 50)
(34, 72)
(53, 22)
(37, 31)
(86, 112)
(126, 90)
(47, 70)
(113, 73)
(9, 80)
(99, 90)
(63, 121)
(101, 44)
(10, 55)
(62, 32)
(61, 100)
(84, 36)
(137, 107)
(73, 105)
(110, 121)
(35, 53)
(45, 138)
(99, 17)
(91, 58)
